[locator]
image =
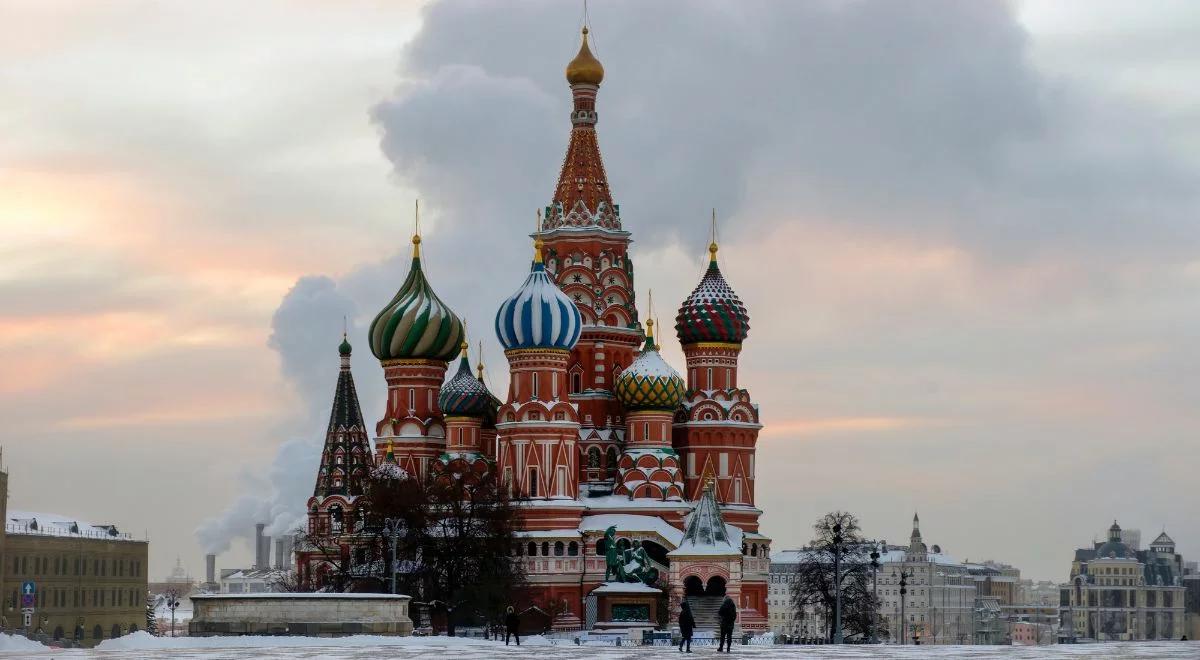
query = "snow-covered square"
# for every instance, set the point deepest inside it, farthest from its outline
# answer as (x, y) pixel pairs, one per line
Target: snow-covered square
(140, 645)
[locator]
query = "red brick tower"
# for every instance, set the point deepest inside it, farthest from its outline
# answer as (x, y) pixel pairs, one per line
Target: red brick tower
(716, 428)
(587, 255)
(538, 428)
(414, 337)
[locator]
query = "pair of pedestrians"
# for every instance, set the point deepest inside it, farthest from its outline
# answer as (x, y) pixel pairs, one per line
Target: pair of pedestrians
(727, 616)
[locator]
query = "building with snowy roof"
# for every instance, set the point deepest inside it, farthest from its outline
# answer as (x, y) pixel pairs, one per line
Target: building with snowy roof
(69, 579)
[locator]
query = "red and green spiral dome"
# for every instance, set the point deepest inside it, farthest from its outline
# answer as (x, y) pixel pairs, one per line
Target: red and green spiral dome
(713, 313)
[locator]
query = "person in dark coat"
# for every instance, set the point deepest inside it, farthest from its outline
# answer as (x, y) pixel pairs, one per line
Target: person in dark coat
(727, 615)
(512, 626)
(687, 624)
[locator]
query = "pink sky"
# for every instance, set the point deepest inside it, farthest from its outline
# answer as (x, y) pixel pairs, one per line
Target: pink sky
(953, 346)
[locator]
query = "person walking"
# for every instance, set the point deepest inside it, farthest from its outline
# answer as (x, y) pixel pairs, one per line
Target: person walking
(687, 623)
(727, 615)
(512, 626)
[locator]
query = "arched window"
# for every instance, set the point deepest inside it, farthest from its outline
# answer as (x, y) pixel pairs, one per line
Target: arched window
(593, 461)
(576, 382)
(559, 548)
(97, 632)
(545, 548)
(610, 462)
(573, 549)
(532, 549)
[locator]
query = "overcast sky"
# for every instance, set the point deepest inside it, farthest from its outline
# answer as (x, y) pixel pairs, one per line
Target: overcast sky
(966, 233)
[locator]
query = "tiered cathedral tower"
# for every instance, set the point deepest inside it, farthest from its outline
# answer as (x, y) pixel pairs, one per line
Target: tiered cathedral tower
(414, 337)
(587, 255)
(537, 427)
(346, 459)
(717, 425)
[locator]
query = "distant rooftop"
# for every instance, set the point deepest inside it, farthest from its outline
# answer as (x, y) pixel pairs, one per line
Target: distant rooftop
(52, 524)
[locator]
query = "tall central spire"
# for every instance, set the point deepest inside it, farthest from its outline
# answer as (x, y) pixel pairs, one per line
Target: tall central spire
(582, 198)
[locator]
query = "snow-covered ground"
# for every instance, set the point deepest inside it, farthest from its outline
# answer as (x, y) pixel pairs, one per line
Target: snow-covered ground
(140, 645)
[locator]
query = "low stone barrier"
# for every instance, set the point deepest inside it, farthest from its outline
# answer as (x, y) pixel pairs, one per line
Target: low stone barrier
(307, 614)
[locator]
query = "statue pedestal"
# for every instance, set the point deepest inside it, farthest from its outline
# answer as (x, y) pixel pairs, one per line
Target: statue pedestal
(626, 606)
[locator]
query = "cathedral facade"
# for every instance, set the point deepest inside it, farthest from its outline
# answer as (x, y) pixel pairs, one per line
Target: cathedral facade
(603, 443)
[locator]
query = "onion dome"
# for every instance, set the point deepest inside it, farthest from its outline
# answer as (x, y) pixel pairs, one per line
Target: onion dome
(585, 68)
(344, 348)
(539, 314)
(416, 324)
(713, 313)
(464, 394)
(649, 383)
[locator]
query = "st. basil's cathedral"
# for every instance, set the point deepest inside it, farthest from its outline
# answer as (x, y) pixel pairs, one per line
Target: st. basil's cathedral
(598, 433)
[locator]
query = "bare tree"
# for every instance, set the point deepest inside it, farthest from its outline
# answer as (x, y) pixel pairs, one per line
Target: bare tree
(815, 585)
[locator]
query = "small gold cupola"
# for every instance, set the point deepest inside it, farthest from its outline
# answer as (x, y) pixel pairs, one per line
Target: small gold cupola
(585, 68)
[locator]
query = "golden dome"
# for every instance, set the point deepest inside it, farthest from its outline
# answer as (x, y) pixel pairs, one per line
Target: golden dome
(585, 68)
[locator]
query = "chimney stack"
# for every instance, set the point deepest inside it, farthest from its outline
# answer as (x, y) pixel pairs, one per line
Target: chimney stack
(262, 548)
(283, 552)
(210, 569)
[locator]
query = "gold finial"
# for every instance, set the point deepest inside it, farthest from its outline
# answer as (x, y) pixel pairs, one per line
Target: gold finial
(709, 483)
(479, 365)
(585, 68)
(463, 346)
(416, 239)
(658, 346)
(537, 240)
(712, 247)
(650, 329)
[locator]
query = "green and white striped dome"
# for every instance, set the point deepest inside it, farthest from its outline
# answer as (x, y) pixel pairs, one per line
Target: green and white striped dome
(416, 324)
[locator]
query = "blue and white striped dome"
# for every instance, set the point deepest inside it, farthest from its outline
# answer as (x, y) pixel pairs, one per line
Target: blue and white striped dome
(538, 315)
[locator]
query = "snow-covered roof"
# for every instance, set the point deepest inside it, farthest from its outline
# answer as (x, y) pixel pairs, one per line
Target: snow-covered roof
(625, 588)
(317, 595)
(706, 532)
(546, 533)
(623, 502)
(52, 524)
(627, 522)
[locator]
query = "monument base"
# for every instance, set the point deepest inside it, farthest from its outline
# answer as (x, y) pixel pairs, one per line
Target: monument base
(627, 607)
(302, 614)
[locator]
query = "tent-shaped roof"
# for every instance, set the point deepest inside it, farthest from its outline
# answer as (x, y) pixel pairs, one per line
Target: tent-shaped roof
(705, 533)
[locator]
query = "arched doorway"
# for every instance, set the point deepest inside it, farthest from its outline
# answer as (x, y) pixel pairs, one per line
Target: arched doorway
(97, 633)
(693, 586)
(715, 586)
(58, 632)
(116, 630)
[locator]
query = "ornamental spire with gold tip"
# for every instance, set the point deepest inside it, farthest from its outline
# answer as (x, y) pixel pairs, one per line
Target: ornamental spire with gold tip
(582, 198)
(416, 324)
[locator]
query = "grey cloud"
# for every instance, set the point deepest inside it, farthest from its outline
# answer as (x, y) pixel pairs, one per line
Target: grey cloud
(870, 117)
(932, 121)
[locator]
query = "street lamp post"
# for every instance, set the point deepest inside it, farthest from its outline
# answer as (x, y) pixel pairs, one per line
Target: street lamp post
(874, 592)
(904, 575)
(172, 603)
(391, 527)
(837, 582)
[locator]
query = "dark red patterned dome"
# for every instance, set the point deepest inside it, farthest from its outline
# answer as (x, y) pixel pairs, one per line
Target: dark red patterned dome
(713, 313)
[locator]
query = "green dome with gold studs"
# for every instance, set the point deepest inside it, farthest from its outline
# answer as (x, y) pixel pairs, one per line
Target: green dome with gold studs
(649, 383)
